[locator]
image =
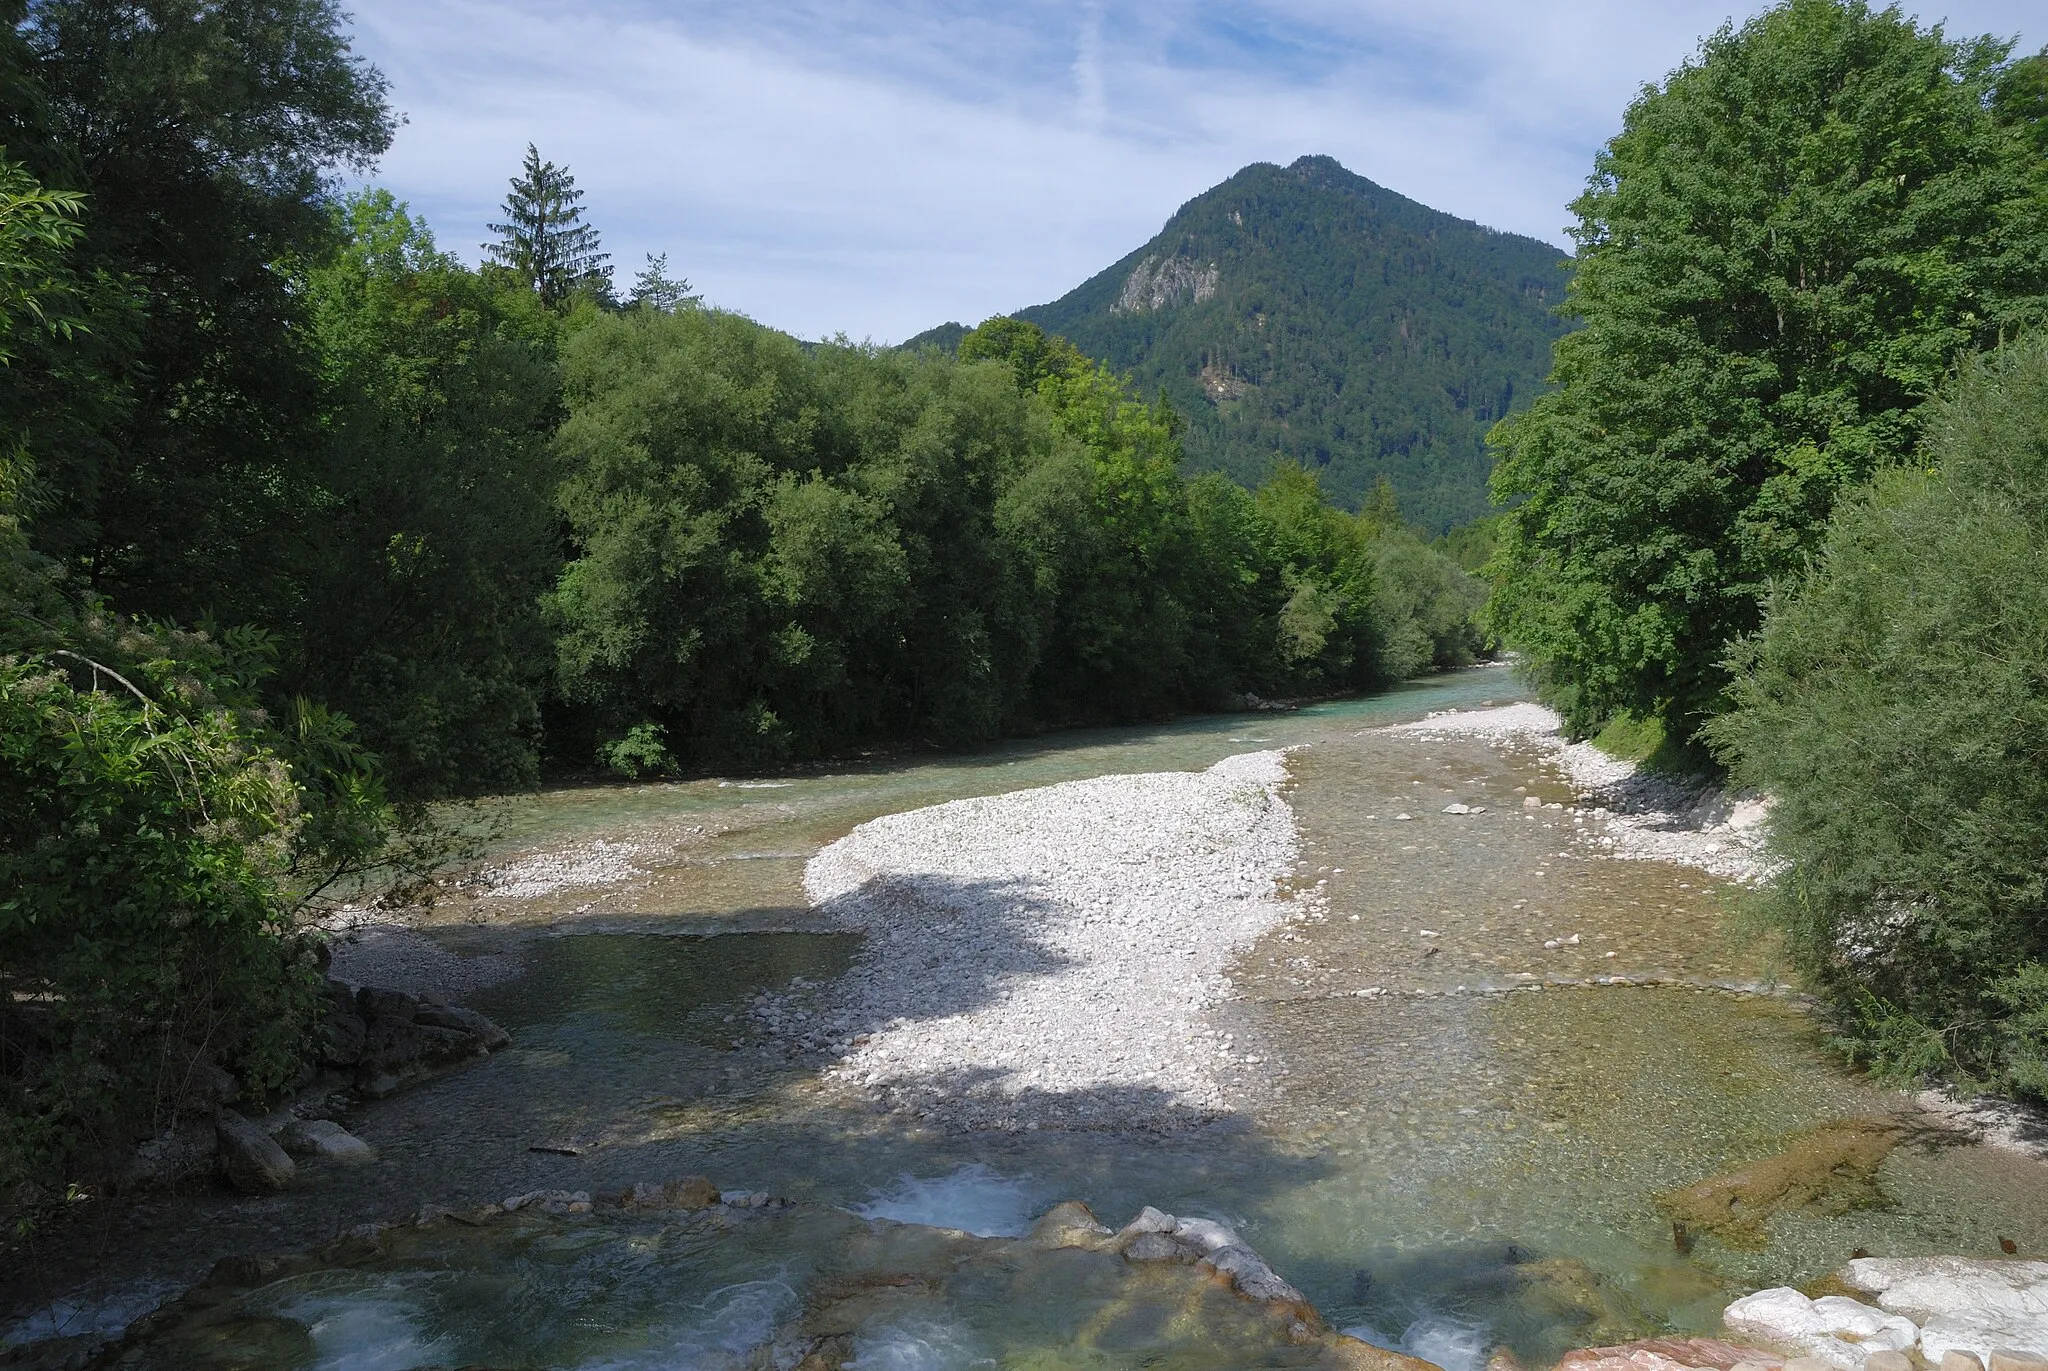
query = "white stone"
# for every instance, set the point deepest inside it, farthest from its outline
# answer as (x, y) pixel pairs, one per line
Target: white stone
(1962, 1304)
(1032, 947)
(1838, 1330)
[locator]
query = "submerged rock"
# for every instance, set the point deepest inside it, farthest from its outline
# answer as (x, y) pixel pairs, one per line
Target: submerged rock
(1832, 1169)
(848, 1286)
(1069, 1224)
(1671, 1354)
(690, 1192)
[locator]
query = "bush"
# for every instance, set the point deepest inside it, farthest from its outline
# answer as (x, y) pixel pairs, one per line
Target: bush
(1896, 705)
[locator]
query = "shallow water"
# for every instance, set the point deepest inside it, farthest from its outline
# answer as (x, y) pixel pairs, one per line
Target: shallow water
(1457, 1136)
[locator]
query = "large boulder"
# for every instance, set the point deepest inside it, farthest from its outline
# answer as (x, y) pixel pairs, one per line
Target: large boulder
(481, 1032)
(346, 1030)
(1961, 1304)
(324, 1138)
(251, 1158)
(1836, 1329)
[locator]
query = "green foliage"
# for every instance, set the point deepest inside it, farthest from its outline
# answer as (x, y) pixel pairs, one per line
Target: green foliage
(202, 137)
(156, 842)
(1631, 738)
(1306, 314)
(1780, 256)
(544, 241)
(36, 227)
(1472, 545)
(1894, 706)
(780, 550)
(428, 529)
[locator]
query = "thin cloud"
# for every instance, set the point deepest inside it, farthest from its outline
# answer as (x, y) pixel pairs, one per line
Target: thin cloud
(875, 169)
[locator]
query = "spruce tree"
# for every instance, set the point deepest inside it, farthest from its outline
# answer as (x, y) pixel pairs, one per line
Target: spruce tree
(544, 238)
(656, 290)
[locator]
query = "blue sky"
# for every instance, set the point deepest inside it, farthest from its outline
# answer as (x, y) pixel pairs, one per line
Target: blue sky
(873, 167)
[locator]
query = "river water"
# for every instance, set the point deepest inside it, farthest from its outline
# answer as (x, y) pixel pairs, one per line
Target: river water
(1465, 1157)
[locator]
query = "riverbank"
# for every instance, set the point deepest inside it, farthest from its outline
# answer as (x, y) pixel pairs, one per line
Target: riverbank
(1645, 817)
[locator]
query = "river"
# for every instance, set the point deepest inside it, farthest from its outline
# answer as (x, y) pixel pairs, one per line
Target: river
(1486, 1112)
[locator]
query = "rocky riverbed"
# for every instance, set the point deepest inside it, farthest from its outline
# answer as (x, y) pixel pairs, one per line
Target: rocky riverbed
(1642, 816)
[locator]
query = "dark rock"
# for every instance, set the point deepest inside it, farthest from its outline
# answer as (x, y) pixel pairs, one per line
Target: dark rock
(446, 1044)
(209, 1084)
(346, 1030)
(253, 1161)
(169, 1156)
(377, 1005)
(391, 1043)
(463, 1020)
(1155, 1247)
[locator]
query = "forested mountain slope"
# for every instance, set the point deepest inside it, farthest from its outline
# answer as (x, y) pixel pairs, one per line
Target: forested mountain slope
(1304, 312)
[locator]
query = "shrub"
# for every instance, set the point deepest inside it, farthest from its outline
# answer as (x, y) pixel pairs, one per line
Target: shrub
(1896, 705)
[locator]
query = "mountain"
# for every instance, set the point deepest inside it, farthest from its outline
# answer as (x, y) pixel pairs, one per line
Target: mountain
(1306, 312)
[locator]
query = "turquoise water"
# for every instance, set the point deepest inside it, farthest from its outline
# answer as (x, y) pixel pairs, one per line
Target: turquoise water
(1450, 1164)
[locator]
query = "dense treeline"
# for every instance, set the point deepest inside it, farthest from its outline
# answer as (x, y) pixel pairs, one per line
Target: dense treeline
(1739, 518)
(1783, 252)
(780, 550)
(305, 524)
(1896, 705)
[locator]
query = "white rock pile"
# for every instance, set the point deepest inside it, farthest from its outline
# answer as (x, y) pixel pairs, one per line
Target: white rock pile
(1047, 958)
(1959, 1313)
(1637, 816)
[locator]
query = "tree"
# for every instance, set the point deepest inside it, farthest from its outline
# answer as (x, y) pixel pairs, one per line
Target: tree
(203, 137)
(432, 532)
(157, 835)
(37, 226)
(654, 289)
(1894, 706)
(1779, 258)
(544, 240)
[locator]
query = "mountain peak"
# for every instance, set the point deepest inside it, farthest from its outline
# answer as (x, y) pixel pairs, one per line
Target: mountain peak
(1306, 312)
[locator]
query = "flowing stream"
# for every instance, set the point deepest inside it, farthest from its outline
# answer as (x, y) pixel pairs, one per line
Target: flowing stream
(1464, 1158)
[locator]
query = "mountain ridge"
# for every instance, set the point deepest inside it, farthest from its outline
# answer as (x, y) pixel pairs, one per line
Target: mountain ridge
(1307, 313)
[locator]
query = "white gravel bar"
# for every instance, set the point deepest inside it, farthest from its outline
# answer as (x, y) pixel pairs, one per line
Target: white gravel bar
(1644, 817)
(1047, 958)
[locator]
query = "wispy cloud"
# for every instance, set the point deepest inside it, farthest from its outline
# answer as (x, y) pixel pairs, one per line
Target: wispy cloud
(875, 168)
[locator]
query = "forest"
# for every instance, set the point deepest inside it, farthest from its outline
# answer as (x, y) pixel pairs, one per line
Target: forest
(306, 525)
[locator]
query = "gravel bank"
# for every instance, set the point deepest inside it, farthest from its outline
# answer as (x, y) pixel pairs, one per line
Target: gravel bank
(1047, 958)
(1641, 817)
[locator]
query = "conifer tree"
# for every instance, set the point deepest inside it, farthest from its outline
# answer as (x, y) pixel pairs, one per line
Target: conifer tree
(544, 238)
(656, 290)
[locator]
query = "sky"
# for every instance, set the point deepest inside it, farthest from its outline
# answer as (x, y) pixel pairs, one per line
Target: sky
(874, 167)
